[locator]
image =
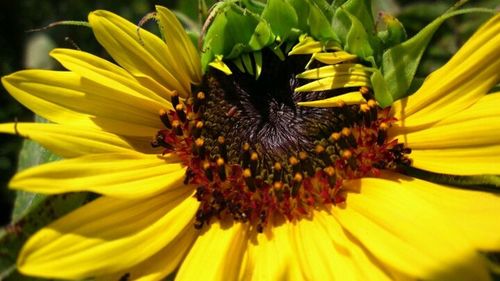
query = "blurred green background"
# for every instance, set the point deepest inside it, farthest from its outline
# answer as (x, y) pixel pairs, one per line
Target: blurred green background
(20, 49)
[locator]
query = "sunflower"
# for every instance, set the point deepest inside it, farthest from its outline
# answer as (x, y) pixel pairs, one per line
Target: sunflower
(260, 174)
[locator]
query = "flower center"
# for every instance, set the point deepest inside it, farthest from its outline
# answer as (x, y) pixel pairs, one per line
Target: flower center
(255, 154)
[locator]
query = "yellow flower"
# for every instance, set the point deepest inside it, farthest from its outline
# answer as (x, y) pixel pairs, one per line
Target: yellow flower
(389, 227)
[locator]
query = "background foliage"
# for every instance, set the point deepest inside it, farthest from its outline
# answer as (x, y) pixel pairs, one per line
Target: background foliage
(20, 49)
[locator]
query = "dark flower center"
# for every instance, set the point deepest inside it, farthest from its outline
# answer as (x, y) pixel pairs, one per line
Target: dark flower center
(255, 154)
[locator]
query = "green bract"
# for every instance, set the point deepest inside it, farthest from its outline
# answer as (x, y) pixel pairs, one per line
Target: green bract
(239, 28)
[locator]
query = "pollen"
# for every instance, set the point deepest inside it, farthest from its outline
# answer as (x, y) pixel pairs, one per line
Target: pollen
(254, 155)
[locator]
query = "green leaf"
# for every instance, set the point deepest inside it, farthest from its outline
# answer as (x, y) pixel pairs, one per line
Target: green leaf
(394, 32)
(362, 10)
(399, 64)
(235, 30)
(319, 24)
(282, 18)
(354, 27)
(31, 211)
(379, 86)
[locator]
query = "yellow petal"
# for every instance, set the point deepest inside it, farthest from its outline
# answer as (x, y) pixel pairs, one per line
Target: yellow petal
(337, 82)
(139, 51)
(408, 233)
(333, 70)
(334, 58)
(465, 143)
(348, 250)
(71, 141)
(216, 254)
(179, 44)
(220, 65)
(101, 71)
(271, 256)
(349, 99)
(308, 45)
(67, 98)
(160, 265)
(468, 76)
(472, 211)
(107, 235)
(122, 175)
(462, 161)
(317, 255)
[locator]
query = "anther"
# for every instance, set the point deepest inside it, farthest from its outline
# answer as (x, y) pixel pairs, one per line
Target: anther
(245, 155)
(199, 147)
(337, 138)
(277, 172)
(254, 161)
(181, 114)
(306, 163)
(200, 99)
(366, 114)
(221, 167)
(320, 151)
(208, 171)
(177, 127)
(174, 98)
(373, 109)
(222, 147)
(330, 172)
(249, 179)
(347, 133)
(164, 119)
(294, 162)
(297, 181)
(382, 133)
(161, 141)
(196, 132)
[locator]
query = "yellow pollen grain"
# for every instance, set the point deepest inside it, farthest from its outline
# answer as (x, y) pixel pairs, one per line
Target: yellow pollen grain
(364, 90)
(199, 124)
(200, 95)
(372, 103)
(247, 173)
(329, 171)
(206, 165)
(277, 166)
(179, 107)
(254, 156)
(346, 131)
(246, 146)
(278, 185)
(335, 136)
(191, 116)
(293, 160)
(162, 112)
(176, 123)
(297, 177)
(384, 126)
(220, 162)
(346, 154)
(199, 142)
(341, 103)
(364, 107)
(319, 149)
(221, 139)
(303, 155)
